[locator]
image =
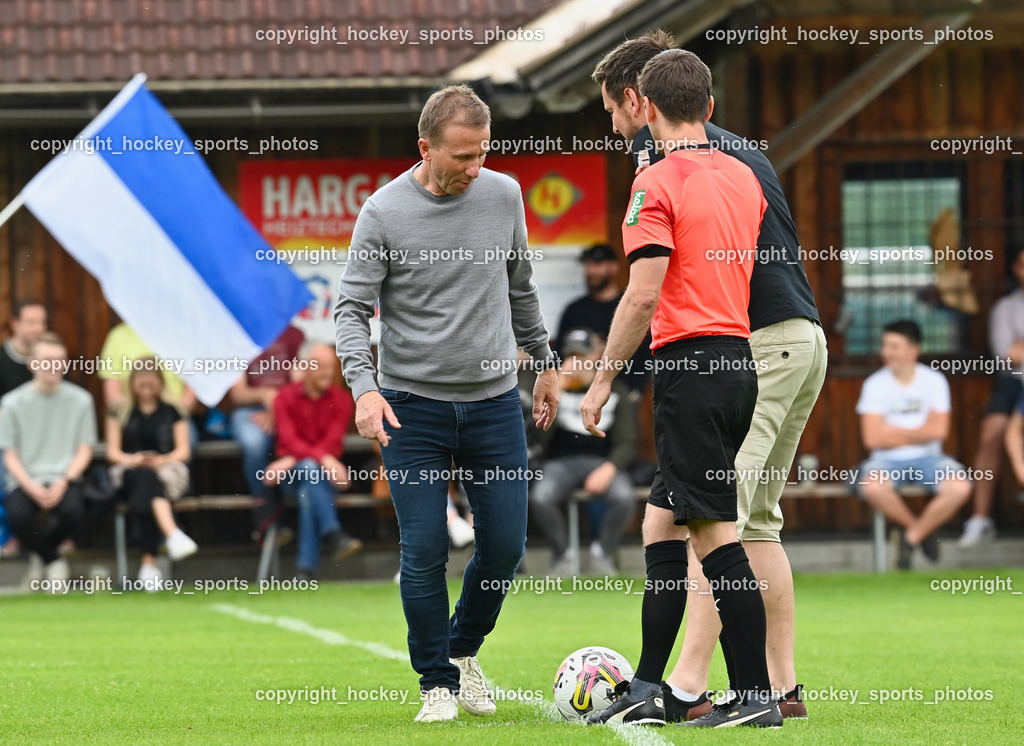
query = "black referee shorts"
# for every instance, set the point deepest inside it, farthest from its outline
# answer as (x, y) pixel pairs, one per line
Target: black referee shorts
(705, 389)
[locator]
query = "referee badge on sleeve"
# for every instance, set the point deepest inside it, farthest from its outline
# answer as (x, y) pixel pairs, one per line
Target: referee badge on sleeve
(635, 204)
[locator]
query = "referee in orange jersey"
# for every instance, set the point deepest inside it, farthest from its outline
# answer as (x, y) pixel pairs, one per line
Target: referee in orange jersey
(695, 201)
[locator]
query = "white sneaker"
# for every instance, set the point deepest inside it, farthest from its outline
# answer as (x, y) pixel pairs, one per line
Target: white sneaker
(561, 567)
(978, 528)
(474, 696)
(151, 578)
(438, 705)
(602, 565)
(461, 532)
(34, 573)
(58, 570)
(179, 546)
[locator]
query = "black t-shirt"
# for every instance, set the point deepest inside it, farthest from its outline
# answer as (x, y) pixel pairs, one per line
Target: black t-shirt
(779, 289)
(13, 370)
(150, 432)
(596, 315)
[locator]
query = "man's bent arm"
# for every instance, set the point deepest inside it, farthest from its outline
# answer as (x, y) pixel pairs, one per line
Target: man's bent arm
(358, 291)
(633, 315)
(527, 320)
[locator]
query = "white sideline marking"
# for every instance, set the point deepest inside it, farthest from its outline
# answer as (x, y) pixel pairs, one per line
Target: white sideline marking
(328, 636)
(633, 735)
(638, 735)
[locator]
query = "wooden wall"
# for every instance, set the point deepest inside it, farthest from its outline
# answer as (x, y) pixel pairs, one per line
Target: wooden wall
(960, 90)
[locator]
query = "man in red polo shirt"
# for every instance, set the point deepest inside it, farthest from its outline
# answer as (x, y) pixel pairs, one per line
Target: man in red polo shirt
(312, 416)
(690, 234)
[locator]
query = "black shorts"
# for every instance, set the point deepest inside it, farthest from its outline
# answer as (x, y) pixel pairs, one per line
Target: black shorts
(1005, 395)
(705, 389)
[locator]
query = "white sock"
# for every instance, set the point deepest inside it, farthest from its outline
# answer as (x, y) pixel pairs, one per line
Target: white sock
(681, 695)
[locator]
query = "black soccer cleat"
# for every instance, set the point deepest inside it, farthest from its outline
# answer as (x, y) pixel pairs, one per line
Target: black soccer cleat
(678, 711)
(737, 713)
(631, 710)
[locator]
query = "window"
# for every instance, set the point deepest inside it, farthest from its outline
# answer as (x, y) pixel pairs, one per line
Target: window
(889, 267)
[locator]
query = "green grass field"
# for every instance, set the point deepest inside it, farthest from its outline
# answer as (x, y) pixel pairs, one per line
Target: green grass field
(161, 668)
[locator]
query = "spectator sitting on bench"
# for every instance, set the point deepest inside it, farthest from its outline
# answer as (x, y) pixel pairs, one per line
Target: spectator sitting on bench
(1015, 442)
(571, 458)
(47, 428)
(1006, 340)
(252, 424)
(148, 449)
(28, 322)
(312, 416)
(904, 413)
(124, 345)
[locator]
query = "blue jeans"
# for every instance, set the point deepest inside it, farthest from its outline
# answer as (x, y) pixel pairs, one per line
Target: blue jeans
(255, 445)
(486, 441)
(311, 486)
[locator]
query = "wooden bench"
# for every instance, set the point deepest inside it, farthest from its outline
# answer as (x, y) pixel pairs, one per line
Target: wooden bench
(792, 491)
(269, 559)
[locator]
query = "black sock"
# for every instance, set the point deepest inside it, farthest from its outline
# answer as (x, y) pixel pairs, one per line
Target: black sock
(663, 606)
(727, 653)
(741, 608)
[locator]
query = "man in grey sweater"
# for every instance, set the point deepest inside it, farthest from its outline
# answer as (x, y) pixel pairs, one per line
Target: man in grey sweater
(444, 249)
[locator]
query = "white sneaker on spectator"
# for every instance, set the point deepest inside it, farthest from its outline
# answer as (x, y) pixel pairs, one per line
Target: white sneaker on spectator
(58, 570)
(978, 528)
(561, 566)
(438, 705)
(601, 564)
(150, 577)
(34, 573)
(474, 696)
(179, 546)
(461, 532)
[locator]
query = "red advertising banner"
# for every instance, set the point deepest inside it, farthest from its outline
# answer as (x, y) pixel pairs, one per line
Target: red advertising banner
(302, 202)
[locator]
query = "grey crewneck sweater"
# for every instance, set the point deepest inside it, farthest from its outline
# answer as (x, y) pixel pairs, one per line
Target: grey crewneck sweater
(451, 313)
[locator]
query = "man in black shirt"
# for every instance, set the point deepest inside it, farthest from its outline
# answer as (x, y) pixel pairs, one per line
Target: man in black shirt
(789, 348)
(594, 310)
(28, 322)
(574, 459)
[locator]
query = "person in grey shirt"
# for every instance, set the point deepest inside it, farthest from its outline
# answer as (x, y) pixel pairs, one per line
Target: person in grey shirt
(47, 428)
(444, 249)
(1006, 340)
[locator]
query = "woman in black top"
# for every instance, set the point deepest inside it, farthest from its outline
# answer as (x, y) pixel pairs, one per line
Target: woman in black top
(148, 447)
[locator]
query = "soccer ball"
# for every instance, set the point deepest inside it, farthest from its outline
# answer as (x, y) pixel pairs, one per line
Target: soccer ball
(586, 679)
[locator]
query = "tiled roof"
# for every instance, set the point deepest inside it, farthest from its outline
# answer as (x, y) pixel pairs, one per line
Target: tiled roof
(95, 41)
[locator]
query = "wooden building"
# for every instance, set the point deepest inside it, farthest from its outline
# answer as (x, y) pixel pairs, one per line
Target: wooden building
(861, 131)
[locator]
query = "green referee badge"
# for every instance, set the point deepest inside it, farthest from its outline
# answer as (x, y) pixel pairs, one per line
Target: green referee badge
(634, 207)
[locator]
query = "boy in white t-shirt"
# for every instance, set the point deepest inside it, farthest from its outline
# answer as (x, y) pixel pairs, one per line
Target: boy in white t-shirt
(904, 413)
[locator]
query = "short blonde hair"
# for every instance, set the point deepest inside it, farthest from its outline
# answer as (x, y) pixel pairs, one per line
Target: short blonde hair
(452, 104)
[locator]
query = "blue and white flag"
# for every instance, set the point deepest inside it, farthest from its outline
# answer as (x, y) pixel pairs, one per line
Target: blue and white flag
(141, 211)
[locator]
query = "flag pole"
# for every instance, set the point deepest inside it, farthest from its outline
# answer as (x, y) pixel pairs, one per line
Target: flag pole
(12, 208)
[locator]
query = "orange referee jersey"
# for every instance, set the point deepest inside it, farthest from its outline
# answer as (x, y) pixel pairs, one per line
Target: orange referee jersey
(706, 207)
